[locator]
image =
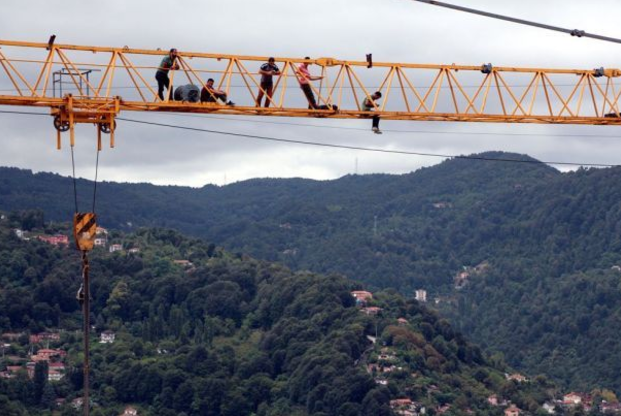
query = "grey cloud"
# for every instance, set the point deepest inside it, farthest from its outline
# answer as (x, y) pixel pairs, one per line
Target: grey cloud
(394, 30)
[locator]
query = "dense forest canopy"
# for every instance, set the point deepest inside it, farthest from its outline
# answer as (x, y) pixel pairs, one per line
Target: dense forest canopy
(200, 331)
(549, 241)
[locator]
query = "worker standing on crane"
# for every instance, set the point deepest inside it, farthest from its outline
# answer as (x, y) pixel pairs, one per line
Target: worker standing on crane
(304, 78)
(369, 104)
(161, 75)
(267, 71)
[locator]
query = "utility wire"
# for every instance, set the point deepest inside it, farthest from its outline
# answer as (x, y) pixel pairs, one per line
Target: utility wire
(284, 123)
(96, 177)
(481, 133)
(366, 149)
(25, 113)
(75, 186)
(572, 32)
(337, 146)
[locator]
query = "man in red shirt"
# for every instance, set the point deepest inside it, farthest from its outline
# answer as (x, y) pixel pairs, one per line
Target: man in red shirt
(304, 78)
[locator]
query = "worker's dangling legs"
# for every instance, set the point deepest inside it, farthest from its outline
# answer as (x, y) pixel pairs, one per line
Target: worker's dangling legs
(375, 128)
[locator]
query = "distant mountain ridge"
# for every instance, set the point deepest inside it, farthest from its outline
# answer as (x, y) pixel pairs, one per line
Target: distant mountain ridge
(533, 224)
(272, 218)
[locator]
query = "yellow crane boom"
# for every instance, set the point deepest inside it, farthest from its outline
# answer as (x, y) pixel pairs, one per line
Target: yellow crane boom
(121, 79)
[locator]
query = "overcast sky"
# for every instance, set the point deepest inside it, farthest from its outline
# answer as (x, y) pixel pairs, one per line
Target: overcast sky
(393, 30)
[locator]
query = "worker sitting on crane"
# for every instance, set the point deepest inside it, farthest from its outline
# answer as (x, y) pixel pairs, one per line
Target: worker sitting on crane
(267, 71)
(210, 94)
(304, 78)
(369, 104)
(161, 75)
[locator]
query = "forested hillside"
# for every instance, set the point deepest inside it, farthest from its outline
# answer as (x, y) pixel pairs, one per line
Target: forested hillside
(202, 332)
(399, 231)
(535, 229)
(561, 327)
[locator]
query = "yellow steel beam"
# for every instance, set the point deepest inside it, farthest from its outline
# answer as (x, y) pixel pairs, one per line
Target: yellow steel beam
(450, 100)
(95, 107)
(332, 62)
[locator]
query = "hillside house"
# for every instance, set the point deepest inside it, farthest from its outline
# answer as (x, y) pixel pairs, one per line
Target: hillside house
(572, 399)
(183, 263)
(610, 408)
(397, 403)
(421, 295)
(77, 403)
(493, 400)
(443, 409)
(100, 241)
(371, 310)
(12, 370)
(45, 354)
(55, 240)
(12, 336)
(512, 411)
(461, 279)
(107, 337)
(101, 231)
(15, 359)
(389, 369)
(516, 377)
(56, 366)
(372, 367)
(53, 375)
(115, 247)
(30, 369)
(481, 267)
(402, 321)
(362, 296)
(387, 357)
(44, 337)
(129, 411)
(134, 250)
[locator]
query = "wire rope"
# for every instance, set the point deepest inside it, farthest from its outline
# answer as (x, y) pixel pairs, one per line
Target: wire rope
(572, 32)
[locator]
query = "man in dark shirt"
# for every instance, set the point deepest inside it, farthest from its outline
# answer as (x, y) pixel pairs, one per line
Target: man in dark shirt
(161, 75)
(209, 94)
(267, 71)
(370, 104)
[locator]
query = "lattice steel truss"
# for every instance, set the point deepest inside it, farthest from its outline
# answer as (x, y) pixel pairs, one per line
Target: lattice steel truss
(482, 93)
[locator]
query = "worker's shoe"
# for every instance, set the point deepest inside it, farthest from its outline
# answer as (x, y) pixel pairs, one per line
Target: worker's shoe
(230, 103)
(376, 130)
